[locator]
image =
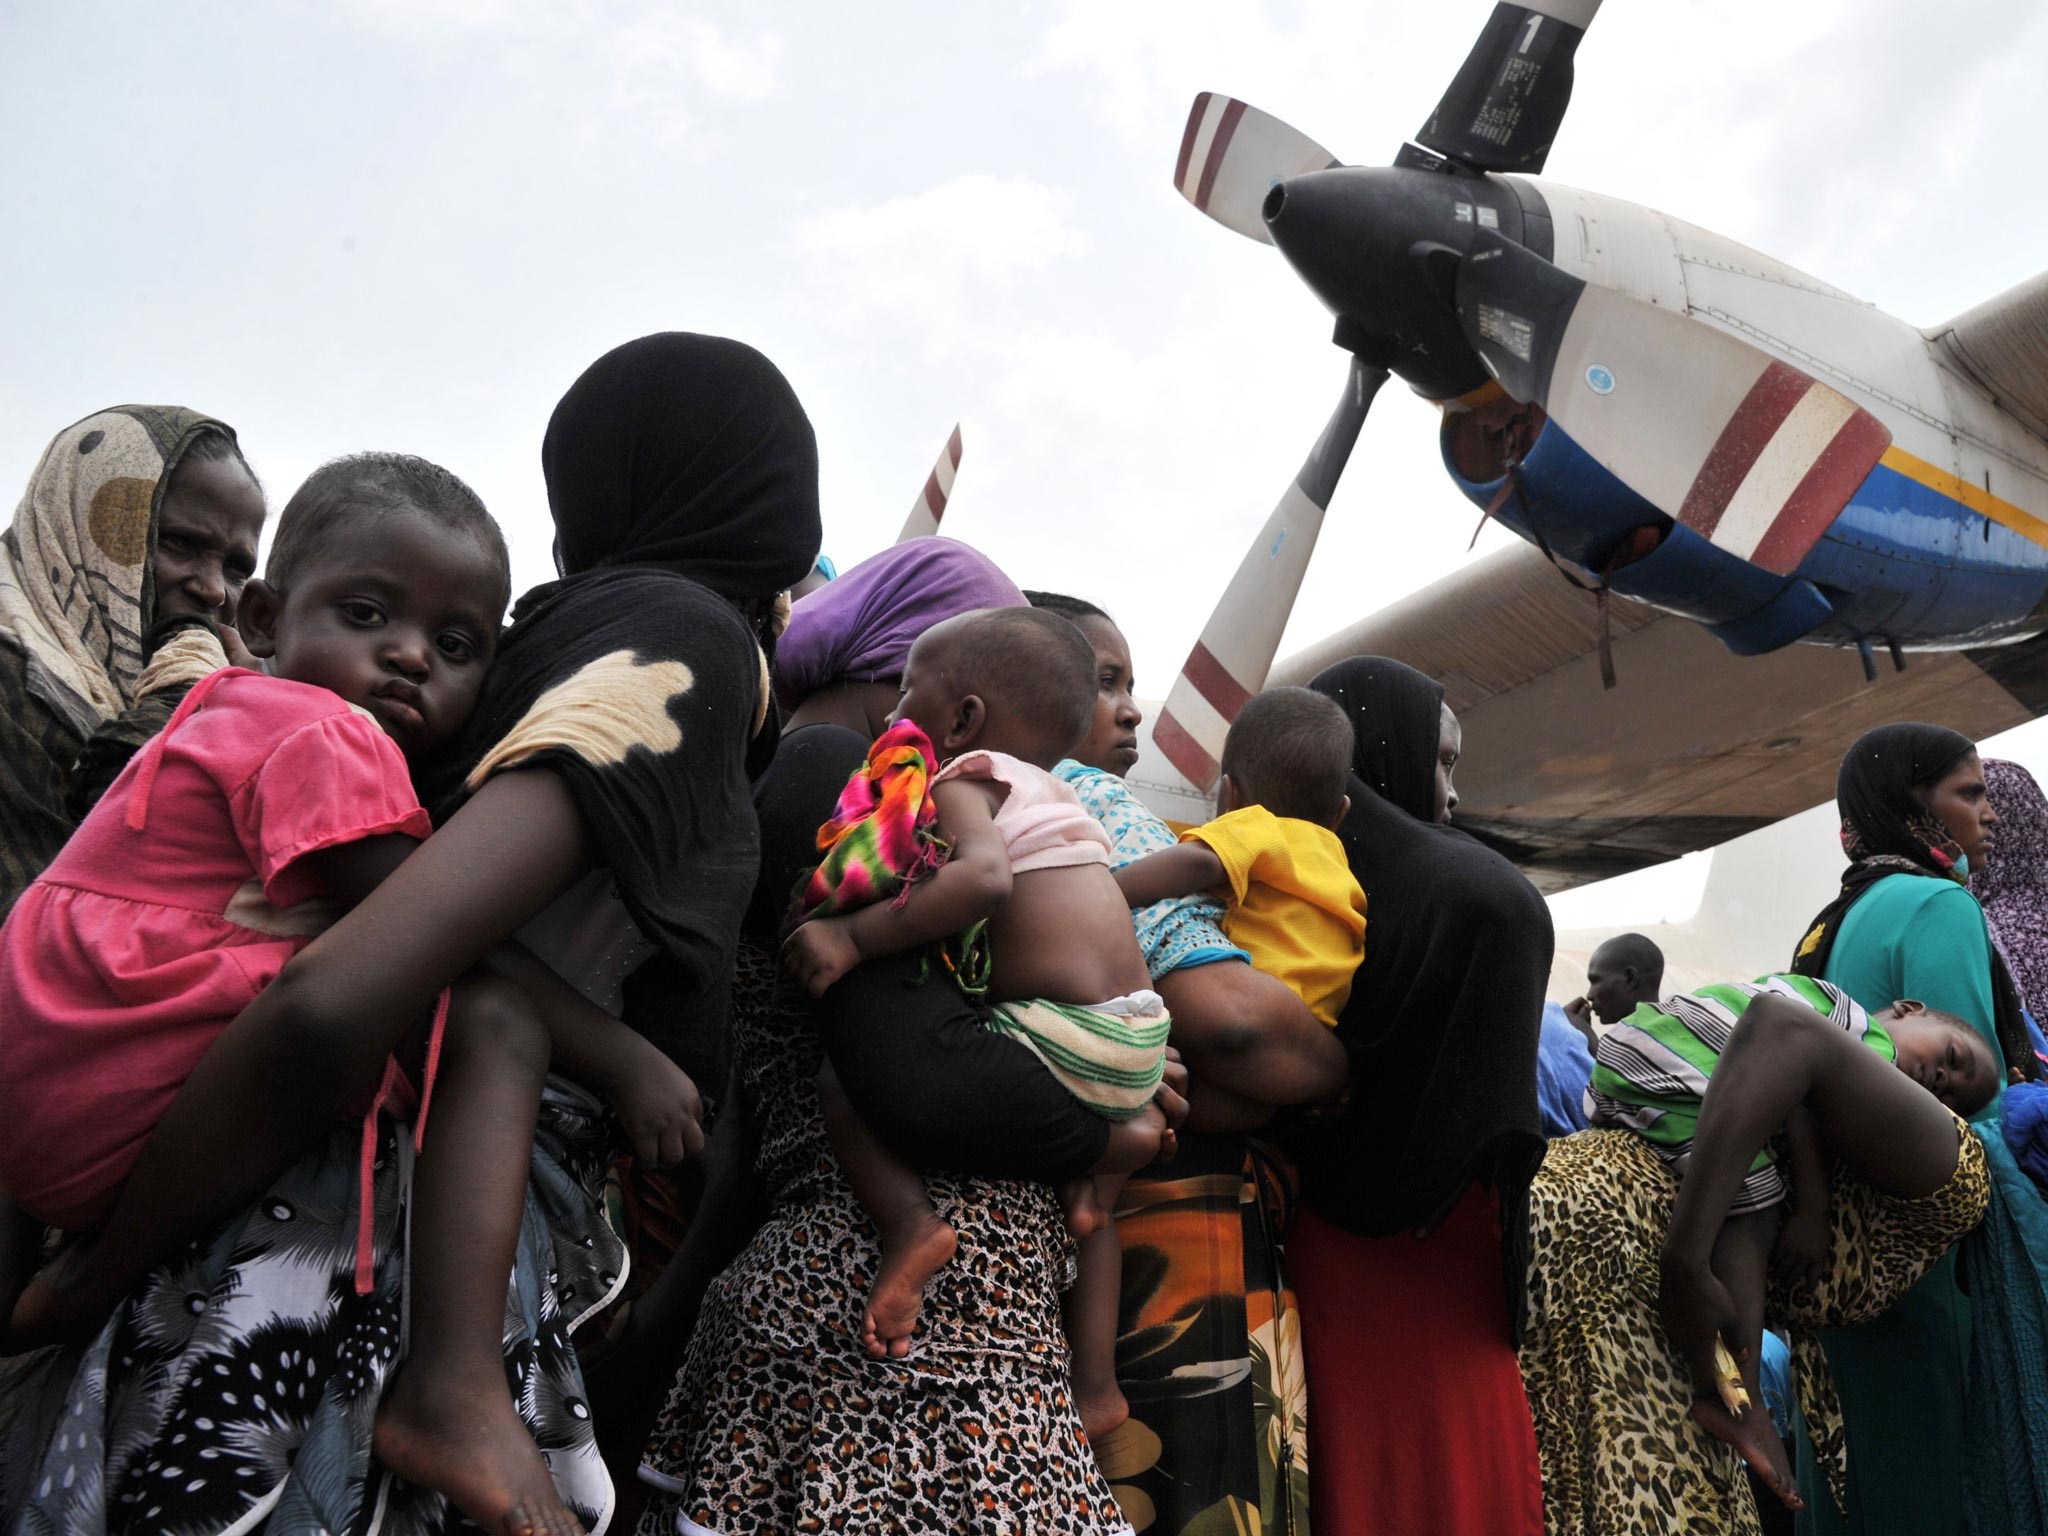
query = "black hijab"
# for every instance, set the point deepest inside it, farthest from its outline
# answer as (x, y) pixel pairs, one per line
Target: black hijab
(1888, 830)
(1396, 716)
(689, 452)
(1447, 1005)
(682, 473)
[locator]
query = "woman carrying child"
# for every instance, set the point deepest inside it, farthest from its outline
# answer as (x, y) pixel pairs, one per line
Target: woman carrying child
(1209, 1350)
(1655, 1069)
(1909, 1179)
(780, 1418)
(958, 836)
(611, 735)
(1407, 1254)
(1917, 819)
(1611, 1393)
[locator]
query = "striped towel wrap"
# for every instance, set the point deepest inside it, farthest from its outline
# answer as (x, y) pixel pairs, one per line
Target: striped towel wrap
(1110, 1056)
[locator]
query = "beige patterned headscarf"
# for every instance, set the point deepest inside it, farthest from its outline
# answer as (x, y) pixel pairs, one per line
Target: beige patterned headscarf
(77, 581)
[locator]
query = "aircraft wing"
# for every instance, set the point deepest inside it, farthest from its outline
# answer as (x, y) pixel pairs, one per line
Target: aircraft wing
(1692, 747)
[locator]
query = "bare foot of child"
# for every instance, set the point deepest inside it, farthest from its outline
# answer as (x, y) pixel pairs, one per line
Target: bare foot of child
(909, 1260)
(1756, 1438)
(1097, 1398)
(1133, 1144)
(472, 1447)
(1083, 1208)
(1102, 1408)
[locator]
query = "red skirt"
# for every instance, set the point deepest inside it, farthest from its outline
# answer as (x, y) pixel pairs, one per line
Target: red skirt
(1417, 1425)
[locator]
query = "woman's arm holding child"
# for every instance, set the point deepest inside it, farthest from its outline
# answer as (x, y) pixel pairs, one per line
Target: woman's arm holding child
(311, 1045)
(1186, 869)
(1250, 1042)
(348, 872)
(972, 884)
(653, 1097)
(1249, 1036)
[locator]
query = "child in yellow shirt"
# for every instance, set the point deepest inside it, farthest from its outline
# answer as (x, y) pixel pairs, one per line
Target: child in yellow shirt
(1272, 853)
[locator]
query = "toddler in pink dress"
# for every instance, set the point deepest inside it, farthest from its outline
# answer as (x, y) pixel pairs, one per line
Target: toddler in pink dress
(268, 804)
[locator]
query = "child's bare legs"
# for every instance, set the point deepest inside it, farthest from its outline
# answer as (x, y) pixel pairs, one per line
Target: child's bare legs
(1741, 1262)
(1133, 1144)
(1091, 1306)
(1880, 1125)
(916, 1244)
(1091, 1318)
(448, 1422)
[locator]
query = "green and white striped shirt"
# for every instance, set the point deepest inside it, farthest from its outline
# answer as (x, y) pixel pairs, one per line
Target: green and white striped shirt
(1651, 1070)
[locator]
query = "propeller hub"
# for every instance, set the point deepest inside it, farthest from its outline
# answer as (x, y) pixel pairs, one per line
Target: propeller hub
(1372, 242)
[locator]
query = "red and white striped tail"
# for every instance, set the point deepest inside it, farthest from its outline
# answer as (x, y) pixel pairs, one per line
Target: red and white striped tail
(1230, 156)
(929, 510)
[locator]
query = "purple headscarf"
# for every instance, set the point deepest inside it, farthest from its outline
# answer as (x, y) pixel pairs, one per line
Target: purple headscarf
(2013, 887)
(860, 627)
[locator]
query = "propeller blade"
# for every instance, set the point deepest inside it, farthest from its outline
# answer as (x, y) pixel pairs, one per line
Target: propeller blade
(1508, 97)
(1743, 449)
(929, 509)
(1232, 153)
(1230, 661)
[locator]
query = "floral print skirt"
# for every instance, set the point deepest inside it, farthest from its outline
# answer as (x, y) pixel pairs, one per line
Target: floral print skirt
(237, 1388)
(1209, 1349)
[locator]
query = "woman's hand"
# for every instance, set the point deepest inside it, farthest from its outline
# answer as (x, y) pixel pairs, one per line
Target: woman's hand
(660, 1110)
(1172, 1098)
(1338, 1104)
(1800, 1257)
(1696, 1309)
(820, 952)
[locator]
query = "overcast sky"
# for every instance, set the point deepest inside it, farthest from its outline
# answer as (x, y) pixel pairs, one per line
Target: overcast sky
(409, 224)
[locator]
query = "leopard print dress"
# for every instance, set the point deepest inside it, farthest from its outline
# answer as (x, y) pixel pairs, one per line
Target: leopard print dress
(1621, 1455)
(778, 1421)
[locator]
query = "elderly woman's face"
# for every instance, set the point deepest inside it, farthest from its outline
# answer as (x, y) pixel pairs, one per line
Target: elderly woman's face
(1960, 802)
(206, 533)
(1450, 743)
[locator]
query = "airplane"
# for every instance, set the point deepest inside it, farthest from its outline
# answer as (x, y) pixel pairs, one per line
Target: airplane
(1747, 467)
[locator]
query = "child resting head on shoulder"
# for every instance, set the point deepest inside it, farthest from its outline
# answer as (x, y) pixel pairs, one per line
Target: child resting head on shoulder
(1662, 1070)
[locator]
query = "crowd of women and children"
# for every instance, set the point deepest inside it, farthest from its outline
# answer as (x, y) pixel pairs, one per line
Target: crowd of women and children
(726, 1051)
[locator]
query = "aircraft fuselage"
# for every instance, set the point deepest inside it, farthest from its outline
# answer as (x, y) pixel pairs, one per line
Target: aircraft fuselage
(1943, 545)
